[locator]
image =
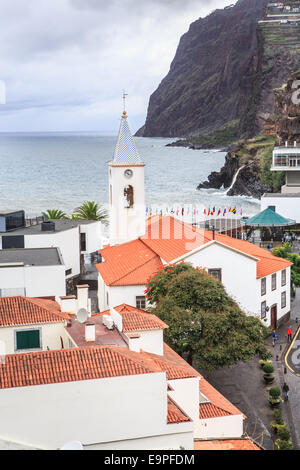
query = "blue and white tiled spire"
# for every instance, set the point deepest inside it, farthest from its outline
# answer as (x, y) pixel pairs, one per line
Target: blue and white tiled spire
(126, 151)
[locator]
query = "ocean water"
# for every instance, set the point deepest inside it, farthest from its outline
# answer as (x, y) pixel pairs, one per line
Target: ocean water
(61, 170)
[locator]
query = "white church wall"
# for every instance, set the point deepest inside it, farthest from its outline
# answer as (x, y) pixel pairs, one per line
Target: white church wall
(238, 273)
(126, 223)
(274, 297)
(112, 296)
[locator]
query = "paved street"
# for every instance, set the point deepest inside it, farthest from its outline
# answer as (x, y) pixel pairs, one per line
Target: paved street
(244, 386)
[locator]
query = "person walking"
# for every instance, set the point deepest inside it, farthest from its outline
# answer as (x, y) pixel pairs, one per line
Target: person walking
(274, 338)
(286, 390)
(289, 333)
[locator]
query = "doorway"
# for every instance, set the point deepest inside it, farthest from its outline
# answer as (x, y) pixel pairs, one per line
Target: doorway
(274, 317)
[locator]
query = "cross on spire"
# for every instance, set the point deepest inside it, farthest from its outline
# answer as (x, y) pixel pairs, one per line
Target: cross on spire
(124, 100)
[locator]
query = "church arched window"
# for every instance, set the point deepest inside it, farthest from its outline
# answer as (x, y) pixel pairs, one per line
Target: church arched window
(128, 196)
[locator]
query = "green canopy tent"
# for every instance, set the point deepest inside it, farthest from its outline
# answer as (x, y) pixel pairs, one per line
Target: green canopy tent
(268, 220)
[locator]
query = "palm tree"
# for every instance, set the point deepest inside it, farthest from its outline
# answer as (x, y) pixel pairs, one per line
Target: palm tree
(55, 214)
(90, 210)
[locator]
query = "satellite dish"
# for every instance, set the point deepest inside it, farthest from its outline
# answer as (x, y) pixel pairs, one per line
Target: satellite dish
(82, 315)
(72, 445)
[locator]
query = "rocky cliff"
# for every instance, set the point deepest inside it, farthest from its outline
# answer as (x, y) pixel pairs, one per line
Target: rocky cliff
(224, 71)
(287, 110)
(252, 157)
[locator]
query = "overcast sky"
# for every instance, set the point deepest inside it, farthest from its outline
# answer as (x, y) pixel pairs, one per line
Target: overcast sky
(65, 63)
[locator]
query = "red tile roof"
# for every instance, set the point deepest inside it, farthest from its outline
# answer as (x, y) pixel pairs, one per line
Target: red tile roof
(25, 311)
(209, 410)
(216, 399)
(168, 239)
(135, 319)
(128, 264)
(175, 414)
(69, 365)
(171, 363)
(226, 444)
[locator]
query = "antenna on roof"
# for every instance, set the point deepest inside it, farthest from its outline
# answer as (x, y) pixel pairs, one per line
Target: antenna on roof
(82, 315)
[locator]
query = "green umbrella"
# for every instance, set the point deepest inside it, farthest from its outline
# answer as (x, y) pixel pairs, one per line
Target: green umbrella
(268, 218)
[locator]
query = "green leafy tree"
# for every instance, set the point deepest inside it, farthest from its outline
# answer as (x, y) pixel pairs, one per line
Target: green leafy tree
(204, 322)
(55, 214)
(90, 210)
(285, 251)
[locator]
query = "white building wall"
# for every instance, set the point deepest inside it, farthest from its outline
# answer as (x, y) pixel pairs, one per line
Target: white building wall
(93, 233)
(36, 281)
(186, 394)
(178, 441)
(286, 206)
(67, 241)
(126, 223)
(117, 295)
(219, 428)
(91, 411)
(149, 341)
(51, 334)
(238, 273)
(274, 297)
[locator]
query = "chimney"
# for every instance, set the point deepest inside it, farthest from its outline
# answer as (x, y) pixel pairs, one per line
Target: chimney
(90, 332)
(83, 297)
(68, 303)
(295, 143)
(286, 143)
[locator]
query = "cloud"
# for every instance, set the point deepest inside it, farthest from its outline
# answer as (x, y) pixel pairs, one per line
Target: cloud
(66, 62)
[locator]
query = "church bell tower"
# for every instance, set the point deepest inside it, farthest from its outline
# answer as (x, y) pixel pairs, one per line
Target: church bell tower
(126, 189)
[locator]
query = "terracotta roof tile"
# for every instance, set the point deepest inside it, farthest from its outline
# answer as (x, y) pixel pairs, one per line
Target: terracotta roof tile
(25, 311)
(135, 319)
(232, 444)
(128, 264)
(209, 410)
(168, 239)
(175, 414)
(216, 399)
(68, 365)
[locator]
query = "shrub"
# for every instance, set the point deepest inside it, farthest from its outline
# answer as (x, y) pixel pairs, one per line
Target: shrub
(268, 368)
(278, 417)
(274, 392)
(284, 433)
(284, 445)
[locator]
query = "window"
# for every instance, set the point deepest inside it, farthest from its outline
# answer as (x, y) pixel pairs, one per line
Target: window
(283, 277)
(128, 196)
(217, 273)
(141, 302)
(263, 310)
(28, 339)
(68, 272)
(283, 299)
(263, 286)
(273, 281)
(82, 242)
(107, 299)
